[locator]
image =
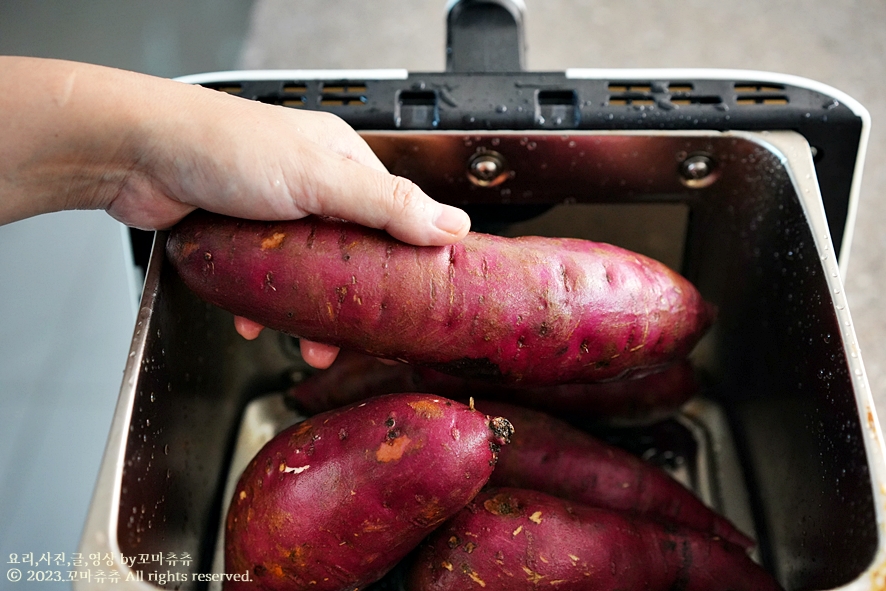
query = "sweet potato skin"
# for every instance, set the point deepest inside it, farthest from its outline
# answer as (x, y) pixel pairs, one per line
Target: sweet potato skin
(549, 455)
(514, 540)
(337, 500)
(355, 376)
(518, 310)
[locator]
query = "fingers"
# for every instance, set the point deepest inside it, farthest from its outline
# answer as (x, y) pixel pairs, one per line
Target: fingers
(368, 194)
(247, 329)
(323, 166)
(317, 354)
(347, 189)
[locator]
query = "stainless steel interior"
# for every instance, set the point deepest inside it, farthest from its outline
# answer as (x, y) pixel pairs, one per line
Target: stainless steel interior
(781, 365)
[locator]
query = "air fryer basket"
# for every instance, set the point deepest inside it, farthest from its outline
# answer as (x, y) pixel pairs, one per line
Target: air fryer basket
(742, 181)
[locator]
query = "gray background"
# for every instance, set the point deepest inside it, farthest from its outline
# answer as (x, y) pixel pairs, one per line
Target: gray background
(63, 342)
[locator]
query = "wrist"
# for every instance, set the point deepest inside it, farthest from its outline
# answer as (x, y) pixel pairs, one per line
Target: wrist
(70, 139)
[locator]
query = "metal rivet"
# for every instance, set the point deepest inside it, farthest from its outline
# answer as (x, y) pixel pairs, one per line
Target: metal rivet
(487, 168)
(696, 168)
(697, 171)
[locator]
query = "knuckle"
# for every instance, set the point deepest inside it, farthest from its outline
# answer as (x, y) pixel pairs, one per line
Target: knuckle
(403, 194)
(332, 123)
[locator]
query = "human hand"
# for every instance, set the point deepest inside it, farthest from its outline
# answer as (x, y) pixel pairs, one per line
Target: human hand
(150, 151)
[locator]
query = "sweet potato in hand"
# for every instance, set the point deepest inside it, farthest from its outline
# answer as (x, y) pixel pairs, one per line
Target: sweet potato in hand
(549, 455)
(516, 540)
(526, 310)
(334, 502)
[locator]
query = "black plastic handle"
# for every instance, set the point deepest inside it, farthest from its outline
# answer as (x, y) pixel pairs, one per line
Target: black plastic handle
(485, 36)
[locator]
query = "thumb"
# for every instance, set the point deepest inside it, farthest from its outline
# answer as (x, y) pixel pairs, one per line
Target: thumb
(347, 189)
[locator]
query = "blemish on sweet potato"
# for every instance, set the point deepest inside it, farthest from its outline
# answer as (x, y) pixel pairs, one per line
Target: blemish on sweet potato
(431, 514)
(427, 409)
(375, 526)
(466, 569)
(304, 427)
(312, 235)
(501, 504)
(535, 517)
(188, 248)
(532, 576)
(273, 241)
(392, 450)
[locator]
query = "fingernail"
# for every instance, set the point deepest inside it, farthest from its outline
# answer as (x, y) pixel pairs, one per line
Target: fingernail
(452, 220)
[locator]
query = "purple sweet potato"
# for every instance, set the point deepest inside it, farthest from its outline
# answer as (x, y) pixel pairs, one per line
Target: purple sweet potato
(525, 310)
(549, 455)
(515, 540)
(335, 501)
(355, 376)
